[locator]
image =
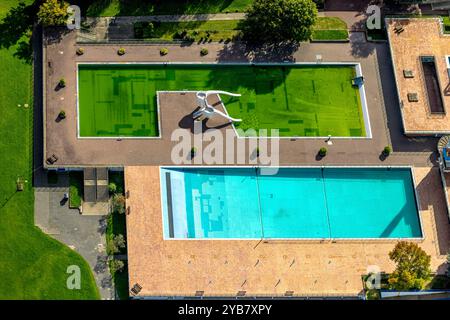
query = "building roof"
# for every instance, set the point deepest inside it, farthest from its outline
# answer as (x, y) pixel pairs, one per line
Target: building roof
(411, 39)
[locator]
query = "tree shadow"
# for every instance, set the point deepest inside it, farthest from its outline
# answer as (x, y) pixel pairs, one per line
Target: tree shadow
(431, 194)
(244, 51)
(388, 90)
(24, 50)
(261, 79)
(16, 29)
(360, 48)
(348, 5)
(54, 35)
(150, 7)
(17, 22)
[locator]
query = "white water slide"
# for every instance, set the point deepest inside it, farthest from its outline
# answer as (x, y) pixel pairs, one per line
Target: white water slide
(207, 110)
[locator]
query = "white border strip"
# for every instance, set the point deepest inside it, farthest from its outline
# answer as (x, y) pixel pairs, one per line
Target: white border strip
(297, 239)
(357, 65)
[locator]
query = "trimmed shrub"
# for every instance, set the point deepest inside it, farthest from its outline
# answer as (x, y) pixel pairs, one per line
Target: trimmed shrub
(387, 150)
(80, 51)
(118, 203)
(204, 51)
(116, 266)
(121, 51)
(163, 51)
(323, 152)
(119, 241)
(62, 83)
(62, 114)
(112, 188)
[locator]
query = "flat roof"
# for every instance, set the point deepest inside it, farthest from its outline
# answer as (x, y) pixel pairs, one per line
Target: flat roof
(60, 137)
(261, 268)
(420, 37)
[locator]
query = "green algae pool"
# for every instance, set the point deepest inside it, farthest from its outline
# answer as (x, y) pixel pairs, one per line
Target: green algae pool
(119, 100)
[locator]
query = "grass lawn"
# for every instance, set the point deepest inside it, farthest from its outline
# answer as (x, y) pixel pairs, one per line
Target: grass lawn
(330, 28)
(297, 100)
(76, 189)
(32, 264)
(142, 8)
(192, 30)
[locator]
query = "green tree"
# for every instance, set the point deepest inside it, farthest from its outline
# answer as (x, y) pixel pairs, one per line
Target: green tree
(53, 13)
(276, 21)
(413, 266)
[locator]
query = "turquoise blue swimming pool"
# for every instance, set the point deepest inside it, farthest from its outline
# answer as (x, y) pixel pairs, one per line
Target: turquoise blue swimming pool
(231, 203)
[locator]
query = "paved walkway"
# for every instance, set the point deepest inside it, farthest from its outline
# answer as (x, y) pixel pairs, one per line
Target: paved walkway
(178, 18)
(84, 234)
(121, 28)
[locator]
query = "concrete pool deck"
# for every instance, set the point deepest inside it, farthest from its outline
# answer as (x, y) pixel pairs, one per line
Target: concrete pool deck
(61, 137)
(222, 268)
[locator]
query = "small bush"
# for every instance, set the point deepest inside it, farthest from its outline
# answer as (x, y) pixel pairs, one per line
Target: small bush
(116, 265)
(80, 51)
(121, 51)
(387, 150)
(193, 151)
(62, 114)
(204, 51)
(118, 203)
(62, 83)
(323, 152)
(112, 188)
(163, 51)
